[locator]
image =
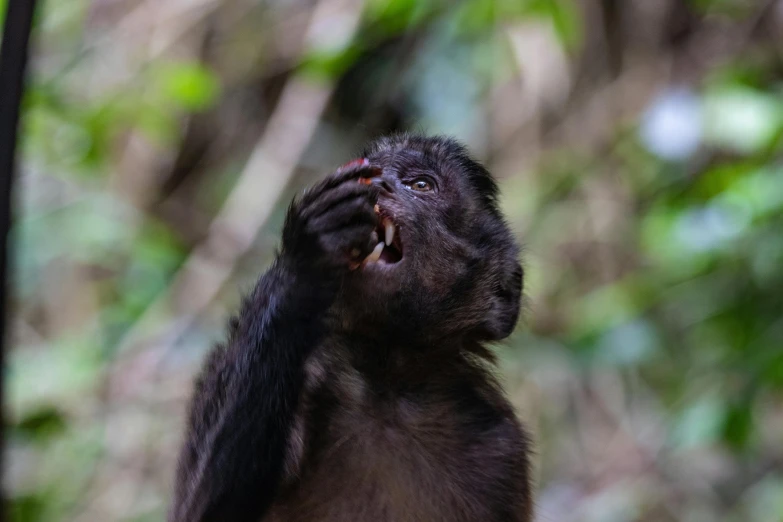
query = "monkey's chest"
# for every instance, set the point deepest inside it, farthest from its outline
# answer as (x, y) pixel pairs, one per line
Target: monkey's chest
(408, 462)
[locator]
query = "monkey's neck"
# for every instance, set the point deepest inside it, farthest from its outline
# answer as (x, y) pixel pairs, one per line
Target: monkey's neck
(395, 361)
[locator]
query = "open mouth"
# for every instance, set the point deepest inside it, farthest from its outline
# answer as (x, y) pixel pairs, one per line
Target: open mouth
(388, 251)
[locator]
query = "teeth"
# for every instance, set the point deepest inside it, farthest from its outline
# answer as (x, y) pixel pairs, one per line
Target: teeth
(375, 255)
(389, 228)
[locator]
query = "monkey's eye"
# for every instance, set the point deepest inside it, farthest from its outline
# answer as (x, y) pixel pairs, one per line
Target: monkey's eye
(420, 185)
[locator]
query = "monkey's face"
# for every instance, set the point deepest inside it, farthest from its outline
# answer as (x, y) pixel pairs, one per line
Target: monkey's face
(445, 262)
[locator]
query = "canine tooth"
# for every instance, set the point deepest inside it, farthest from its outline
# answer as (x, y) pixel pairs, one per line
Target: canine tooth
(375, 255)
(389, 228)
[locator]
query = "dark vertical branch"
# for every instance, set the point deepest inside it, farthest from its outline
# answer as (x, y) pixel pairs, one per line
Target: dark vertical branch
(612, 18)
(13, 59)
(681, 23)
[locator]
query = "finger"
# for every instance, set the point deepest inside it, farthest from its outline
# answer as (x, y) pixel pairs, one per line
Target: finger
(357, 163)
(353, 242)
(350, 172)
(340, 196)
(358, 211)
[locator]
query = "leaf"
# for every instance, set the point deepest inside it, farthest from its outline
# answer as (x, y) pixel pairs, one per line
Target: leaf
(330, 64)
(28, 508)
(190, 85)
(395, 16)
(41, 425)
(565, 18)
(738, 425)
(476, 16)
(741, 119)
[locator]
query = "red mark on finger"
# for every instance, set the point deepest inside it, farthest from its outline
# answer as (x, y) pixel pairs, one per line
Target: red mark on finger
(361, 162)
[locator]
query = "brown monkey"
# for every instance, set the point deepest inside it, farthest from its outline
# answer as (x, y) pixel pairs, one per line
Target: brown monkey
(355, 383)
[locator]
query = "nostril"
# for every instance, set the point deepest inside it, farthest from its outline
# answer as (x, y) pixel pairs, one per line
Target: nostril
(383, 184)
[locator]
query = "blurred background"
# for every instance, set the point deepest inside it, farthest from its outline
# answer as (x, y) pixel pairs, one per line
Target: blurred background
(638, 148)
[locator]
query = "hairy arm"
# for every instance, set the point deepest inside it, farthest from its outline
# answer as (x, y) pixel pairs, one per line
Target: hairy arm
(244, 406)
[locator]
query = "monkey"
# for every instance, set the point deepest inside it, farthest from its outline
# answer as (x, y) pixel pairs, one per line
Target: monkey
(356, 382)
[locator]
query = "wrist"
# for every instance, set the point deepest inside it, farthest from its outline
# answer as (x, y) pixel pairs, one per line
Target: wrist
(307, 276)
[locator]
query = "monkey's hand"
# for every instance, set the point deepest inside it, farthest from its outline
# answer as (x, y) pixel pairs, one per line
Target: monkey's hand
(330, 228)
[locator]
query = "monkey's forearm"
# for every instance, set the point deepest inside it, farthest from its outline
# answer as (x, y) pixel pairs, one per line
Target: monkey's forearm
(245, 403)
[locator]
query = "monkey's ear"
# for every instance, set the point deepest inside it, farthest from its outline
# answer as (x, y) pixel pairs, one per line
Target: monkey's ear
(504, 311)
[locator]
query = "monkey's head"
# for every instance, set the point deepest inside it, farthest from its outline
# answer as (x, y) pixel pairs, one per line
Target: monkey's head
(446, 263)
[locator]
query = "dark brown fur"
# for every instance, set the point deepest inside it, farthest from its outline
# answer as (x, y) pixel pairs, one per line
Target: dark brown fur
(442, 447)
(369, 394)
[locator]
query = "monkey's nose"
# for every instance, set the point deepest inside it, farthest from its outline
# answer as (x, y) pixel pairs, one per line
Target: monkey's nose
(383, 184)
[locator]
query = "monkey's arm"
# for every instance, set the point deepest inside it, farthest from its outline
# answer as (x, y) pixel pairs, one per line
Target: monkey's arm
(245, 403)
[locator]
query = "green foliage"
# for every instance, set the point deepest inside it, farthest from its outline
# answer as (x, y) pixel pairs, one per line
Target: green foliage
(479, 16)
(742, 119)
(329, 64)
(27, 508)
(41, 425)
(395, 16)
(738, 424)
(733, 8)
(564, 16)
(190, 86)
